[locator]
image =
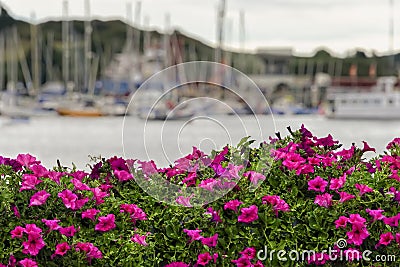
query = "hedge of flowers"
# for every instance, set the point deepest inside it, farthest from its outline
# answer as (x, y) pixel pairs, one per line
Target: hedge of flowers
(309, 193)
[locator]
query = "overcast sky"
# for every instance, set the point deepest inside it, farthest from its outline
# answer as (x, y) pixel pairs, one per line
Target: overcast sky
(304, 25)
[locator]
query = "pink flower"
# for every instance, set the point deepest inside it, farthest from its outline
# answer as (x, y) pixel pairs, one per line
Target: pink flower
(249, 214)
(29, 182)
(304, 169)
(249, 253)
(358, 234)
(376, 214)
(254, 177)
(16, 211)
(209, 184)
(32, 229)
(79, 175)
(92, 252)
(214, 215)
(39, 198)
(28, 263)
(367, 148)
(324, 200)
(99, 195)
(344, 196)
(61, 249)
(341, 222)
(242, 262)
(259, 264)
(210, 241)
(392, 221)
(33, 245)
(184, 201)
(277, 203)
(52, 224)
(140, 239)
(90, 214)
(356, 219)
(193, 234)
(398, 238)
(203, 259)
(148, 167)
(67, 231)
(363, 189)
(123, 175)
(317, 184)
(177, 264)
(39, 171)
(18, 232)
(353, 254)
(55, 176)
(68, 198)
(337, 183)
(293, 161)
(27, 160)
(106, 223)
(80, 203)
(232, 205)
(385, 239)
(79, 185)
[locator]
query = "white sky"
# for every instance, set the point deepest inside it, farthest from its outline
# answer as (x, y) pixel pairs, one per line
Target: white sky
(304, 25)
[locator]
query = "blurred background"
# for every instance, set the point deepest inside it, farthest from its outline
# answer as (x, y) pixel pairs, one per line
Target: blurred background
(69, 70)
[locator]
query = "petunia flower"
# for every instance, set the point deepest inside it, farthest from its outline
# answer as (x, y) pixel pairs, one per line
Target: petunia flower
(317, 184)
(52, 224)
(106, 223)
(33, 245)
(39, 198)
(193, 234)
(324, 200)
(67, 231)
(140, 239)
(61, 249)
(232, 205)
(28, 263)
(203, 259)
(363, 189)
(249, 214)
(18, 232)
(29, 182)
(210, 241)
(385, 239)
(90, 214)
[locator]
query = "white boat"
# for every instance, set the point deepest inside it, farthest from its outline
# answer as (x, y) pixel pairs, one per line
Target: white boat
(381, 101)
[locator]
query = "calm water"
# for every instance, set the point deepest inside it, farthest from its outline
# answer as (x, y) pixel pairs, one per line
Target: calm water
(74, 139)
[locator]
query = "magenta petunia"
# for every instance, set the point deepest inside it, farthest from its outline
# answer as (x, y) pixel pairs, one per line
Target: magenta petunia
(29, 182)
(356, 218)
(214, 215)
(254, 177)
(317, 184)
(33, 245)
(52, 224)
(203, 259)
(232, 205)
(277, 203)
(90, 214)
(27, 160)
(18, 232)
(16, 211)
(249, 253)
(210, 184)
(61, 249)
(184, 201)
(39, 171)
(106, 223)
(68, 198)
(367, 148)
(385, 239)
(32, 229)
(79, 185)
(55, 176)
(123, 175)
(193, 234)
(376, 214)
(358, 234)
(177, 264)
(324, 200)
(39, 198)
(92, 252)
(28, 263)
(210, 241)
(68, 231)
(363, 189)
(341, 222)
(99, 195)
(249, 214)
(140, 239)
(79, 175)
(242, 262)
(336, 184)
(344, 196)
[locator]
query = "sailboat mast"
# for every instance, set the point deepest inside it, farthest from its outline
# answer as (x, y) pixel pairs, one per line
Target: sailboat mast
(220, 30)
(87, 44)
(65, 42)
(35, 53)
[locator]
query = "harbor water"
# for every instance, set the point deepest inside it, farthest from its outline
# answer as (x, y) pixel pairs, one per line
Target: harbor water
(73, 140)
